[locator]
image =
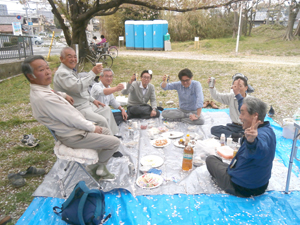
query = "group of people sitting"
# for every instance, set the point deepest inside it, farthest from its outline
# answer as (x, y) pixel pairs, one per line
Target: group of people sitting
(80, 116)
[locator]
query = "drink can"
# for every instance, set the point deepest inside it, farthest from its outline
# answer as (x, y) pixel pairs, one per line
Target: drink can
(212, 80)
(160, 104)
(168, 77)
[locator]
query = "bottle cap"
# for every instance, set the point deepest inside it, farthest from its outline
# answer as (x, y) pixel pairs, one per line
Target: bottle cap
(187, 135)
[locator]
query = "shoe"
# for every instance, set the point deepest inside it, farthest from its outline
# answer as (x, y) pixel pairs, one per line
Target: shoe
(16, 180)
(117, 154)
(205, 104)
(5, 220)
(104, 174)
(32, 172)
(118, 136)
(213, 105)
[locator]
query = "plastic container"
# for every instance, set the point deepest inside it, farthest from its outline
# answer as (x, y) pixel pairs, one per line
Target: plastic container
(225, 151)
(288, 128)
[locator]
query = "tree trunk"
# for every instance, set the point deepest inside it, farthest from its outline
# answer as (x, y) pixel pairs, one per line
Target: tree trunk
(297, 31)
(79, 37)
(289, 30)
(278, 16)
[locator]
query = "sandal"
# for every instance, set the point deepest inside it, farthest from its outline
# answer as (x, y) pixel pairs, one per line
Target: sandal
(16, 180)
(29, 141)
(32, 172)
(5, 220)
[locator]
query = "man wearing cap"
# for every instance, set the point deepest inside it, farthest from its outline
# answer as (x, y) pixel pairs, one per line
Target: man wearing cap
(190, 99)
(139, 93)
(234, 100)
(67, 80)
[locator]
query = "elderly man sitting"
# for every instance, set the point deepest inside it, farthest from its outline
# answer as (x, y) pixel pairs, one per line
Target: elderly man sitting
(140, 92)
(249, 172)
(71, 128)
(104, 93)
(67, 80)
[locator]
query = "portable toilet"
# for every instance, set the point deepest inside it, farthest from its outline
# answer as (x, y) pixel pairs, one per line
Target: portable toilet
(160, 28)
(129, 34)
(138, 35)
(148, 38)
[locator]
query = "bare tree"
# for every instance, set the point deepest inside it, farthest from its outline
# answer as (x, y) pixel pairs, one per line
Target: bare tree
(293, 11)
(79, 13)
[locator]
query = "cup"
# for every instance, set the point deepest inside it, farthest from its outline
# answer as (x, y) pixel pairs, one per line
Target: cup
(134, 125)
(124, 84)
(99, 64)
(144, 125)
(229, 142)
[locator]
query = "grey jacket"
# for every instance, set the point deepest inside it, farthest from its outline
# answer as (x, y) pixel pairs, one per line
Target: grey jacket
(136, 96)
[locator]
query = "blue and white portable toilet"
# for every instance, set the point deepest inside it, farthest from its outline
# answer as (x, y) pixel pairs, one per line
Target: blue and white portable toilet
(138, 35)
(129, 34)
(160, 28)
(148, 38)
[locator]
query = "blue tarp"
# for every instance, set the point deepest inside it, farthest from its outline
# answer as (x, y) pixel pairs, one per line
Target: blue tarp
(270, 208)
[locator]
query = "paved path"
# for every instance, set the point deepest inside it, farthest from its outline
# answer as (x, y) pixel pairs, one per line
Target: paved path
(283, 60)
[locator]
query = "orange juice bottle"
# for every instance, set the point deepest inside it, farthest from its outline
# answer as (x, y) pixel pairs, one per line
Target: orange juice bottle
(187, 162)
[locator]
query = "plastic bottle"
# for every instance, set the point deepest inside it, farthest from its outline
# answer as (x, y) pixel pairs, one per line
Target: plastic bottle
(187, 162)
(296, 116)
(187, 140)
(222, 139)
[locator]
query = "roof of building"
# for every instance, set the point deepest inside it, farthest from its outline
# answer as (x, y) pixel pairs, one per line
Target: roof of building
(6, 28)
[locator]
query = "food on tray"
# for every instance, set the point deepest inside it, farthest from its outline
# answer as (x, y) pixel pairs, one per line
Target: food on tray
(225, 151)
(154, 130)
(161, 142)
(148, 180)
(169, 125)
(143, 127)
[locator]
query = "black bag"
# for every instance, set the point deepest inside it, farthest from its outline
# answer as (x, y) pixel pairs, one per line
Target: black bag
(83, 207)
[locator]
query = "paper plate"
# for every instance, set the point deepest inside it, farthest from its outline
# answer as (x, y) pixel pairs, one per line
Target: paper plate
(176, 143)
(149, 180)
(152, 160)
(160, 142)
(175, 134)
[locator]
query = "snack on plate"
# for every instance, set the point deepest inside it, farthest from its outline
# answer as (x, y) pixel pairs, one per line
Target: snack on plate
(148, 180)
(161, 142)
(154, 130)
(169, 125)
(181, 142)
(162, 129)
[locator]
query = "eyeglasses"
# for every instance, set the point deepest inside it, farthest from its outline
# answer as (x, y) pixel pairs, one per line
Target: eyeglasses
(111, 76)
(239, 75)
(146, 78)
(185, 81)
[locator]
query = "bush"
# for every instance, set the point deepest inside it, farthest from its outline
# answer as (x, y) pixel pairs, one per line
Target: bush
(14, 40)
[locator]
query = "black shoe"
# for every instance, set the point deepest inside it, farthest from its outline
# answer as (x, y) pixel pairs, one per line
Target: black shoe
(118, 136)
(117, 154)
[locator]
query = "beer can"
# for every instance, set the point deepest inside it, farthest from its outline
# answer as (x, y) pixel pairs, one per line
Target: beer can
(168, 77)
(212, 80)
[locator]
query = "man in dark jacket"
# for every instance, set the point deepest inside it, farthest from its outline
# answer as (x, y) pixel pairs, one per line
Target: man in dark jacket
(249, 172)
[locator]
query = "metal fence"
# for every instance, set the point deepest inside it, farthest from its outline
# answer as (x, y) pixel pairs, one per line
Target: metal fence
(12, 46)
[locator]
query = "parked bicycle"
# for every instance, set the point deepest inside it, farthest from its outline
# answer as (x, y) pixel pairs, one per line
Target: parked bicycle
(104, 49)
(94, 57)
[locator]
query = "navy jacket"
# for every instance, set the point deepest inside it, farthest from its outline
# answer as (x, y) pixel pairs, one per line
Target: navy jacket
(254, 160)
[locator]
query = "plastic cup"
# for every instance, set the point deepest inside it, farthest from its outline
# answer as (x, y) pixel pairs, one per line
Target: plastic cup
(124, 84)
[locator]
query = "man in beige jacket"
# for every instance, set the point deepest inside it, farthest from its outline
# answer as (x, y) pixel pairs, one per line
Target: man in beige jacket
(54, 111)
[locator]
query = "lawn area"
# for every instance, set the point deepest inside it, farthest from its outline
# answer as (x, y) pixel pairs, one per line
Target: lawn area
(277, 85)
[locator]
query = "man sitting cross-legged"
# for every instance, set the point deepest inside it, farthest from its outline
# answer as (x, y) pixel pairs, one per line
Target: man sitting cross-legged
(190, 99)
(249, 172)
(71, 128)
(234, 100)
(139, 93)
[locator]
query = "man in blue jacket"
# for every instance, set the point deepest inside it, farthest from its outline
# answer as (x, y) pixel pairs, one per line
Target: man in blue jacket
(249, 172)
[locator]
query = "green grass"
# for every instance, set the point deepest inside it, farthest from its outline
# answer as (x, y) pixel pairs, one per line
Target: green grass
(264, 40)
(275, 84)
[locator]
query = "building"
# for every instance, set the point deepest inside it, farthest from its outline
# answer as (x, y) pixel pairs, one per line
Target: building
(6, 23)
(3, 10)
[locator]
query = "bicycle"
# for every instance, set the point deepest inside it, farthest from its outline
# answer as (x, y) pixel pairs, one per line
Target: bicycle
(111, 50)
(95, 57)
